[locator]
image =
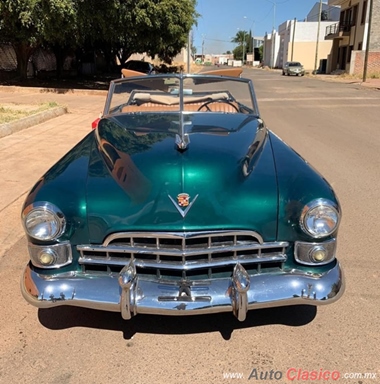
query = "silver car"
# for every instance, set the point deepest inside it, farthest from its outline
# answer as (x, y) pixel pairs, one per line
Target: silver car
(293, 68)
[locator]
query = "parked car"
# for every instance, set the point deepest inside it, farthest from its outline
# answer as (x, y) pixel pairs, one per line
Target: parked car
(140, 66)
(293, 68)
(180, 202)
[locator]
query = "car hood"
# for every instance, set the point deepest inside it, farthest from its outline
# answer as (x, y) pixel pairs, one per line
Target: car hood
(136, 178)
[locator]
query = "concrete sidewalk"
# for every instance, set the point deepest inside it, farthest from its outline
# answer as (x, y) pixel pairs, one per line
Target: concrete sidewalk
(40, 147)
(370, 83)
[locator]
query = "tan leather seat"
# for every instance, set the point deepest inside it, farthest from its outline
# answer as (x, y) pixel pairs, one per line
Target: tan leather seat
(219, 107)
(193, 107)
(150, 107)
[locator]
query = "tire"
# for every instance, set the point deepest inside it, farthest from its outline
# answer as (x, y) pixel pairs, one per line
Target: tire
(283, 73)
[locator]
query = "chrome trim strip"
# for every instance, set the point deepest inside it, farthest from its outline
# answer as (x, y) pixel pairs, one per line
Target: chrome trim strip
(174, 252)
(110, 293)
(181, 265)
(181, 235)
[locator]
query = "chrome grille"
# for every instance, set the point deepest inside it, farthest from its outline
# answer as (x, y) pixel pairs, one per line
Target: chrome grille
(184, 254)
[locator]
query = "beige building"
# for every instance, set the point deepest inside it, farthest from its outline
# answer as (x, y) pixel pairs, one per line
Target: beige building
(349, 37)
(181, 58)
(298, 42)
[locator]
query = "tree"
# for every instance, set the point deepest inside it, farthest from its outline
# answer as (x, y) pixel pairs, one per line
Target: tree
(155, 27)
(119, 27)
(28, 24)
(124, 27)
(20, 26)
(242, 38)
(59, 29)
(261, 52)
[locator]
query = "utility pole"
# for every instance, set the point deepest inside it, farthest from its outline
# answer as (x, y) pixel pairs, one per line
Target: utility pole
(293, 37)
(188, 51)
(317, 45)
(243, 46)
(249, 48)
(272, 39)
(368, 41)
(203, 49)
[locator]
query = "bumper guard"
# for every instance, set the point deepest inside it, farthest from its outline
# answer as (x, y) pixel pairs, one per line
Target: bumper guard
(131, 294)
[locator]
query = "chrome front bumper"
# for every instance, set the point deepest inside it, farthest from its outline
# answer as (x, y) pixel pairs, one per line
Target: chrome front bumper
(131, 294)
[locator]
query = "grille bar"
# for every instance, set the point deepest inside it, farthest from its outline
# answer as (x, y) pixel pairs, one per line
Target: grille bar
(187, 251)
(187, 265)
(181, 252)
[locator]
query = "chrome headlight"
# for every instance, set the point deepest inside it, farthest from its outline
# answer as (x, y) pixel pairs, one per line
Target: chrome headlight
(320, 218)
(43, 221)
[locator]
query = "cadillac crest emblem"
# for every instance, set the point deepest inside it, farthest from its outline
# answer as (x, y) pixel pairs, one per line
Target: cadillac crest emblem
(183, 199)
(183, 203)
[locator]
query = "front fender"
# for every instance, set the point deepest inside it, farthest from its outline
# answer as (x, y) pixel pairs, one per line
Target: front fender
(64, 185)
(298, 184)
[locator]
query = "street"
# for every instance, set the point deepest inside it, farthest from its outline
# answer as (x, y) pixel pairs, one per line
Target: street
(335, 126)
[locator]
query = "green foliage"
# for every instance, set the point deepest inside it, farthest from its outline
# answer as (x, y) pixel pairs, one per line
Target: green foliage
(242, 38)
(116, 26)
(19, 21)
(261, 52)
(238, 53)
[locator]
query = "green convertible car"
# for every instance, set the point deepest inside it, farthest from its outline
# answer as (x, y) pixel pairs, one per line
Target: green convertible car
(181, 202)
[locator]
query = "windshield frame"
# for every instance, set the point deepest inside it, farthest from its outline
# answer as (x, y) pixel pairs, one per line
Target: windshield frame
(180, 80)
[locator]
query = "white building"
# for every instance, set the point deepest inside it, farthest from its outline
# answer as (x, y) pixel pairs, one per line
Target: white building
(329, 13)
(271, 49)
(298, 42)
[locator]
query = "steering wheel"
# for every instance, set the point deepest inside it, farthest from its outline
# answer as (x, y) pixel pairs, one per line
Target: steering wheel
(207, 103)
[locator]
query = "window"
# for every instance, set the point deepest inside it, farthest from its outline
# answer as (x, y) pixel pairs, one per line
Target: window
(350, 48)
(354, 15)
(364, 11)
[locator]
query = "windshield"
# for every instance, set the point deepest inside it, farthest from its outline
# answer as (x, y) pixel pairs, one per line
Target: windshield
(185, 93)
(294, 64)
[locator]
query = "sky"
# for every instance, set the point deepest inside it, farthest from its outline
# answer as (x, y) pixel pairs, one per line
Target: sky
(220, 20)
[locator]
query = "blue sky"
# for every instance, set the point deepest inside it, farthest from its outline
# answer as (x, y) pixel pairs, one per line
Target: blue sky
(221, 19)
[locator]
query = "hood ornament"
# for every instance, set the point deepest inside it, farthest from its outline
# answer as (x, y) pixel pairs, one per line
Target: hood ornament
(183, 201)
(182, 141)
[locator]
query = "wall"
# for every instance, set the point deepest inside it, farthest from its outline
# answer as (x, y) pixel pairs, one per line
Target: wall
(307, 31)
(305, 53)
(271, 50)
(333, 12)
(357, 63)
(375, 27)
(305, 41)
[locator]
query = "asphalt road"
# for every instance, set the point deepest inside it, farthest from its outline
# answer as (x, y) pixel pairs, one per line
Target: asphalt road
(335, 127)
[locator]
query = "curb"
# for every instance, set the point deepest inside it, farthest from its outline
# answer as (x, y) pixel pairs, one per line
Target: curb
(27, 122)
(59, 91)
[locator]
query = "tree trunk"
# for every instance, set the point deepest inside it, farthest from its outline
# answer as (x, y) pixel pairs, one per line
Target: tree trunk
(23, 52)
(60, 55)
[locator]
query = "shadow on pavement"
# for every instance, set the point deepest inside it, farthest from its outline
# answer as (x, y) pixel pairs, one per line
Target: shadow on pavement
(67, 317)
